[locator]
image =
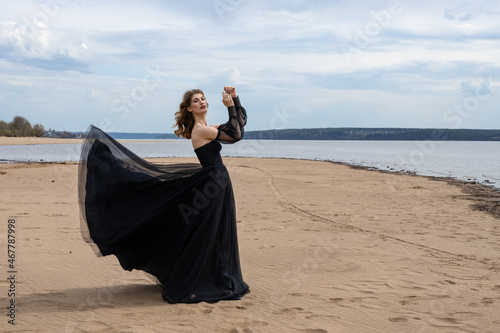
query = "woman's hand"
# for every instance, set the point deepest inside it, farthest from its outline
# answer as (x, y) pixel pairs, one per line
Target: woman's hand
(227, 99)
(231, 91)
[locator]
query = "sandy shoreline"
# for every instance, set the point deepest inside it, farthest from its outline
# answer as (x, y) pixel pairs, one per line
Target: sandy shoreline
(324, 247)
(484, 197)
(4, 141)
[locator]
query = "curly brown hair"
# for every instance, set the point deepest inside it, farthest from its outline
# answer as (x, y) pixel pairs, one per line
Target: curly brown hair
(184, 119)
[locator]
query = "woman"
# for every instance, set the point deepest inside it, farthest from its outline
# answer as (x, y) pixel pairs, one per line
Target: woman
(177, 221)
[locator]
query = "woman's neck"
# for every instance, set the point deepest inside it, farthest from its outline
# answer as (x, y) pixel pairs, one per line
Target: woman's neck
(200, 119)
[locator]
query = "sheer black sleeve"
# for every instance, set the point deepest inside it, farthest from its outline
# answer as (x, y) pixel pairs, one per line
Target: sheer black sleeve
(233, 130)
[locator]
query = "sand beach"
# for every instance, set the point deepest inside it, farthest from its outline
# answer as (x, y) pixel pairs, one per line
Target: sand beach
(324, 247)
(41, 141)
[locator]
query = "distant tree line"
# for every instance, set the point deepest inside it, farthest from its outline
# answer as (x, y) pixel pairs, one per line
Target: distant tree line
(20, 126)
(51, 133)
(399, 134)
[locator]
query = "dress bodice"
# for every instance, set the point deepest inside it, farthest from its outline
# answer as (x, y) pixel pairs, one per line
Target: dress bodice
(209, 154)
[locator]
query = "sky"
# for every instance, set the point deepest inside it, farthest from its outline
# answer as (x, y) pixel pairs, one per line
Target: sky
(123, 65)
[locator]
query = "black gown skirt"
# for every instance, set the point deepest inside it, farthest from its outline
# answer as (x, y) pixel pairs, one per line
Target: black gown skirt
(176, 222)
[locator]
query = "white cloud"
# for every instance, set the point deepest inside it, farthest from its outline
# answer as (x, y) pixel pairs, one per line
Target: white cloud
(17, 83)
(278, 53)
(221, 77)
(451, 14)
(34, 44)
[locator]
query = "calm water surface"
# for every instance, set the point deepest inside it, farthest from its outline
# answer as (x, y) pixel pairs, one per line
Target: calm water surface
(467, 160)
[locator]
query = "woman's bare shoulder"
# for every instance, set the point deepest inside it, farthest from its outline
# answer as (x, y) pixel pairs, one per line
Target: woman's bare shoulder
(204, 132)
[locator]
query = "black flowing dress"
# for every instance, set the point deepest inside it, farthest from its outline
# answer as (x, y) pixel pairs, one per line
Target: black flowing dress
(176, 222)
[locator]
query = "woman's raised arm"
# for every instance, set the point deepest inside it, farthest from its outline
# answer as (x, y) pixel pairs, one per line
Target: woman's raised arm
(233, 130)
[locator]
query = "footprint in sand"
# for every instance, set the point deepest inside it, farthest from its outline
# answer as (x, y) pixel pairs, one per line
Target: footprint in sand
(288, 311)
(398, 319)
(443, 322)
(303, 294)
(336, 299)
(206, 309)
(487, 301)
(102, 327)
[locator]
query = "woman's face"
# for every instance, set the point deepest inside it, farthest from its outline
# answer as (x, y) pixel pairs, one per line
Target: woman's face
(198, 104)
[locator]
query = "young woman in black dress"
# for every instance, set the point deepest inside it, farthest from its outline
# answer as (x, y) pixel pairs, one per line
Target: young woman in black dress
(175, 221)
